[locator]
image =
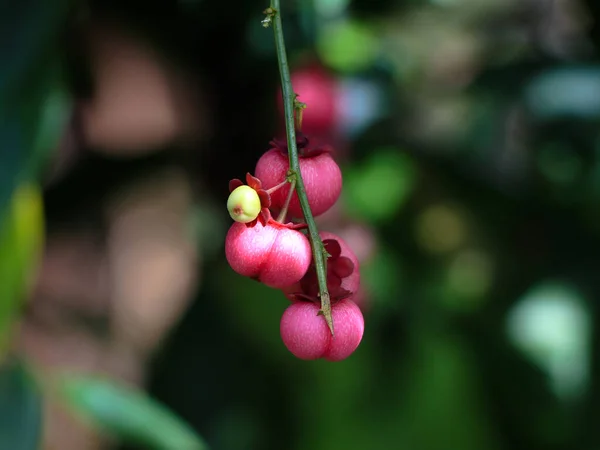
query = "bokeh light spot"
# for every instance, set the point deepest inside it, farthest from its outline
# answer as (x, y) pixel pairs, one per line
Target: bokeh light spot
(469, 278)
(348, 46)
(440, 229)
(552, 326)
(376, 189)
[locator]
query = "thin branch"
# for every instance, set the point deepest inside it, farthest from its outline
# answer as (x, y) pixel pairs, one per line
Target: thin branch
(273, 18)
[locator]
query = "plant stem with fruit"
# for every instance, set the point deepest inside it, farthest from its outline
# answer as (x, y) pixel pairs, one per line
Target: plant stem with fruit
(273, 18)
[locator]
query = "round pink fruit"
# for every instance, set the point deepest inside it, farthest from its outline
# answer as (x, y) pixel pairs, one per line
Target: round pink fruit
(318, 89)
(321, 175)
(272, 254)
(306, 335)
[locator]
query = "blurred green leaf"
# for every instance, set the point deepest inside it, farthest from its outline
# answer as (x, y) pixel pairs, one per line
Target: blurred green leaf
(377, 188)
(34, 107)
(20, 409)
(21, 235)
(127, 413)
(29, 64)
(55, 110)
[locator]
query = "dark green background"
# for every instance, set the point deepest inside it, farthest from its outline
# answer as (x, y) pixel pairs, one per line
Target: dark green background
(436, 369)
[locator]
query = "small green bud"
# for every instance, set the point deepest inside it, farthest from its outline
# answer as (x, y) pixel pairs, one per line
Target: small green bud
(243, 204)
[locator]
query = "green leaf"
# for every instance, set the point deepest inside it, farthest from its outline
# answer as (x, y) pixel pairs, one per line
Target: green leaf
(127, 413)
(21, 235)
(54, 113)
(34, 108)
(20, 409)
(29, 63)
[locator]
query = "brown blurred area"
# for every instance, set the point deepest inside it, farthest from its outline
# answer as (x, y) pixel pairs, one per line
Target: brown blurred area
(105, 298)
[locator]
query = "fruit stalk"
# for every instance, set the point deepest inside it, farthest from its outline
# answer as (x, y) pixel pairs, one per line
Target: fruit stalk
(286, 205)
(289, 97)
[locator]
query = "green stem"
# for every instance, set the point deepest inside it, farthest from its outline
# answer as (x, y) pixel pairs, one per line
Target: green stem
(286, 205)
(318, 250)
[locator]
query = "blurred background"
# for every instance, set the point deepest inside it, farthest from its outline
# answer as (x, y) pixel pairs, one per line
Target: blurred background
(468, 132)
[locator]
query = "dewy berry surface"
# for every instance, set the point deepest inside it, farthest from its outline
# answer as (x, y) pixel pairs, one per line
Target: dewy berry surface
(271, 253)
(321, 175)
(306, 335)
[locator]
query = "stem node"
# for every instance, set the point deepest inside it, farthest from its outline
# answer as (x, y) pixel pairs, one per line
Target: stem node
(270, 14)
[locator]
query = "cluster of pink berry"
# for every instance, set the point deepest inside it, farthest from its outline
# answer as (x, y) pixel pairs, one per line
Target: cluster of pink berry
(277, 252)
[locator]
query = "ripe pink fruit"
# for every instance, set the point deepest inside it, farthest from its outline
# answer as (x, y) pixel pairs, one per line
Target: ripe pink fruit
(272, 253)
(306, 335)
(343, 273)
(321, 175)
(318, 89)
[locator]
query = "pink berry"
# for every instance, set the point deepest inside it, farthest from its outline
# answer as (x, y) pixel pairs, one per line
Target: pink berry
(321, 175)
(273, 253)
(303, 332)
(349, 326)
(343, 273)
(318, 89)
(306, 335)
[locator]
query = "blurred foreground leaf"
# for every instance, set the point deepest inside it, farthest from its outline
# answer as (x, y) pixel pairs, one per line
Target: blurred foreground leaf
(127, 413)
(20, 409)
(33, 106)
(21, 234)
